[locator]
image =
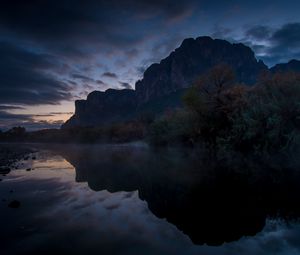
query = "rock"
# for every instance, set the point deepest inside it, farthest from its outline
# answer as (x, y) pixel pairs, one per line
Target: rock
(103, 107)
(193, 58)
(293, 65)
(14, 204)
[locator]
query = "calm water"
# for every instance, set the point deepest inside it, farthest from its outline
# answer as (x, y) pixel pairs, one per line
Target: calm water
(133, 200)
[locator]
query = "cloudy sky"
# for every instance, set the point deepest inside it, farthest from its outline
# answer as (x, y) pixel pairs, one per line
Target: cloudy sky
(54, 52)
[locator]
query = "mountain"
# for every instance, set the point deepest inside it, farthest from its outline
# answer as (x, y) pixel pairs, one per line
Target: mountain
(293, 65)
(103, 107)
(193, 58)
(164, 83)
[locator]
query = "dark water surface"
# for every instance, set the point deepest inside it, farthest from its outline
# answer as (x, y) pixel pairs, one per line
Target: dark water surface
(133, 200)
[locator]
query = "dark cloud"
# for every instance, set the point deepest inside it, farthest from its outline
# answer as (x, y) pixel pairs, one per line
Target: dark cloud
(26, 78)
(59, 113)
(274, 45)
(74, 83)
(43, 115)
(9, 116)
(125, 85)
(9, 120)
(88, 87)
(82, 77)
(10, 107)
(100, 82)
(110, 75)
(141, 69)
(221, 32)
(42, 124)
(64, 25)
(259, 32)
(89, 83)
(164, 47)
(51, 114)
(287, 36)
(132, 53)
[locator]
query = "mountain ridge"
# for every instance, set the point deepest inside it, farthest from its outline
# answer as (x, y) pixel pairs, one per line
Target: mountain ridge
(292, 65)
(176, 72)
(192, 58)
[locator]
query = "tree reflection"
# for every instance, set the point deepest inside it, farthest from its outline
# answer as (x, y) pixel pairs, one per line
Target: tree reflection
(212, 201)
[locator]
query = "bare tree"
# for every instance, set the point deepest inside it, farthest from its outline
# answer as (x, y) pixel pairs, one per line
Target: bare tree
(216, 80)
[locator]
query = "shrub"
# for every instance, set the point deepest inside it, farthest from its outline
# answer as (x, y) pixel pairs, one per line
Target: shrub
(177, 127)
(227, 116)
(271, 119)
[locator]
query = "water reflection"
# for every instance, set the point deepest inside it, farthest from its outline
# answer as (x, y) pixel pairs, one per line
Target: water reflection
(212, 202)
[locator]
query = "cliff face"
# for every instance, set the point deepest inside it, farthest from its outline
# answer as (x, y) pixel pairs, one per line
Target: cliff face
(103, 107)
(193, 58)
(163, 84)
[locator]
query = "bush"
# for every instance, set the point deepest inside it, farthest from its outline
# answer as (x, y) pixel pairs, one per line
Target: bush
(227, 116)
(215, 98)
(178, 127)
(271, 120)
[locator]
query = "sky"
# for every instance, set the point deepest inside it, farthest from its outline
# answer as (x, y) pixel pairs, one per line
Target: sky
(55, 52)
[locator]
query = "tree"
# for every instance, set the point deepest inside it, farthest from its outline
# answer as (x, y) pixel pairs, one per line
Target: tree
(17, 131)
(271, 119)
(212, 98)
(218, 79)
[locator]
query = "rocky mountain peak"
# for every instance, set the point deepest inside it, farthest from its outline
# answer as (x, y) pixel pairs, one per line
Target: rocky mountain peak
(292, 65)
(193, 58)
(164, 83)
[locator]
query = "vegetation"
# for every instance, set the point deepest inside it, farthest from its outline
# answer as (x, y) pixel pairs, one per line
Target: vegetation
(223, 115)
(218, 113)
(270, 121)
(114, 133)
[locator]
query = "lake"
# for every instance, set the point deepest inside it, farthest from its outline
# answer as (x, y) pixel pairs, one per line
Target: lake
(131, 199)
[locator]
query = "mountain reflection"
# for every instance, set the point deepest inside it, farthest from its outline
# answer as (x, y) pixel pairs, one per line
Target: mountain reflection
(211, 201)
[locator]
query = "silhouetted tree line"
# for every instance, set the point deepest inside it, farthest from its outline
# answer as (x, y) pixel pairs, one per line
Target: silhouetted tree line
(222, 114)
(113, 133)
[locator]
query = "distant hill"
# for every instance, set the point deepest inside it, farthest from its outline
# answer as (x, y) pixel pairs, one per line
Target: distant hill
(164, 83)
(293, 65)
